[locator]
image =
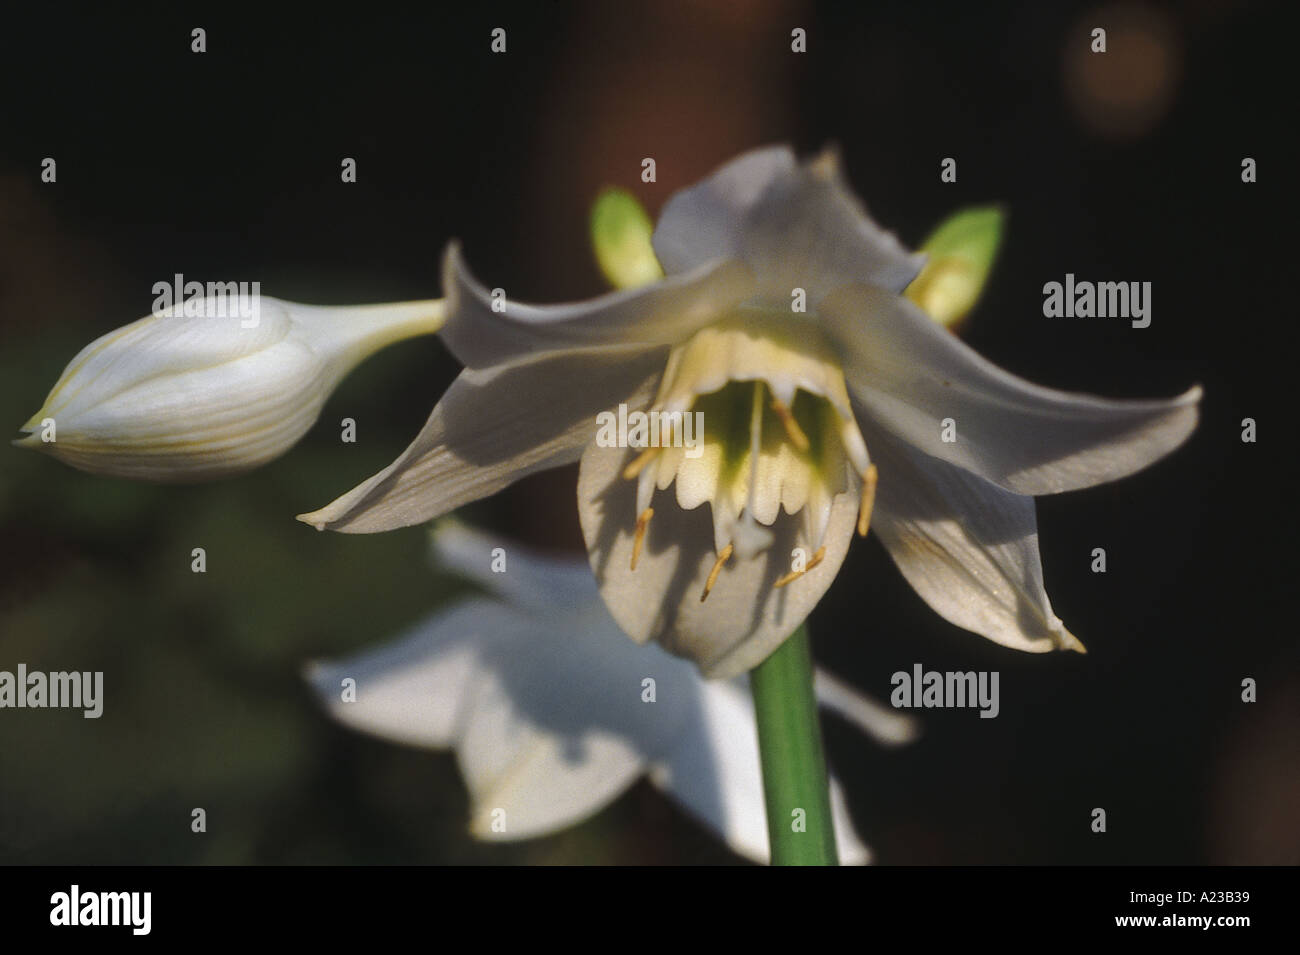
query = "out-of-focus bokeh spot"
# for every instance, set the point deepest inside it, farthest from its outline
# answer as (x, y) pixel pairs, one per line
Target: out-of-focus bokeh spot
(1125, 91)
(1257, 779)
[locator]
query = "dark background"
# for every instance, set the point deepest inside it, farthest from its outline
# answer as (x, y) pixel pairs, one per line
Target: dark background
(1123, 166)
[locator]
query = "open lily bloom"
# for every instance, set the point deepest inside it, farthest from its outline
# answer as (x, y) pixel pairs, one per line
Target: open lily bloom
(548, 709)
(812, 418)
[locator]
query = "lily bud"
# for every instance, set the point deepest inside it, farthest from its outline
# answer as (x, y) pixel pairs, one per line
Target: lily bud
(960, 255)
(620, 236)
(192, 394)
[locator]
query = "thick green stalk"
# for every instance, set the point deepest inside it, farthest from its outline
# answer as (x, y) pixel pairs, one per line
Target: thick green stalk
(795, 791)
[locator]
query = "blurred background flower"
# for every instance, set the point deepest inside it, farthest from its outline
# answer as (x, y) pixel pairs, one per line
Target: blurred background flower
(553, 713)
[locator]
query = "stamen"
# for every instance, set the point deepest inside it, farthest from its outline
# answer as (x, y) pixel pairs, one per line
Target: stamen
(638, 463)
(642, 522)
(868, 500)
(796, 574)
(755, 446)
(717, 569)
(792, 429)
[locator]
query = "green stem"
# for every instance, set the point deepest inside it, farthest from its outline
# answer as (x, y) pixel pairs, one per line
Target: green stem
(798, 802)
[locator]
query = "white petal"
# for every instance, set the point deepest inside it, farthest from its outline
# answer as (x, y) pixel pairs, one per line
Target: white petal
(706, 221)
(714, 771)
(662, 313)
(745, 617)
(492, 427)
(793, 225)
(968, 548)
(525, 778)
(545, 710)
(907, 373)
(415, 689)
(529, 578)
(849, 846)
(561, 726)
(884, 724)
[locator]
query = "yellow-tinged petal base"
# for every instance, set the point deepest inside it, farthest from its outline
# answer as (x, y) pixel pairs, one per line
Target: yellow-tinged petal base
(775, 429)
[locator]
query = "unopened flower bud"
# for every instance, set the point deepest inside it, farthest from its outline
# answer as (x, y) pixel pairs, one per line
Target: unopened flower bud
(960, 255)
(620, 236)
(193, 393)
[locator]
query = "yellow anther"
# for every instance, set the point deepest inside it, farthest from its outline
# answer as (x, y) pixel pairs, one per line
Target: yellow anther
(796, 574)
(868, 500)
(642, 522)
(717, 569)
(639, 462)
(792, 429)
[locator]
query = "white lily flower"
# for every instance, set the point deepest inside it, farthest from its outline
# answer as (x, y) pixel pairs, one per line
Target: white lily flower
(546, 705)
(195, 392)
(806, 414)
